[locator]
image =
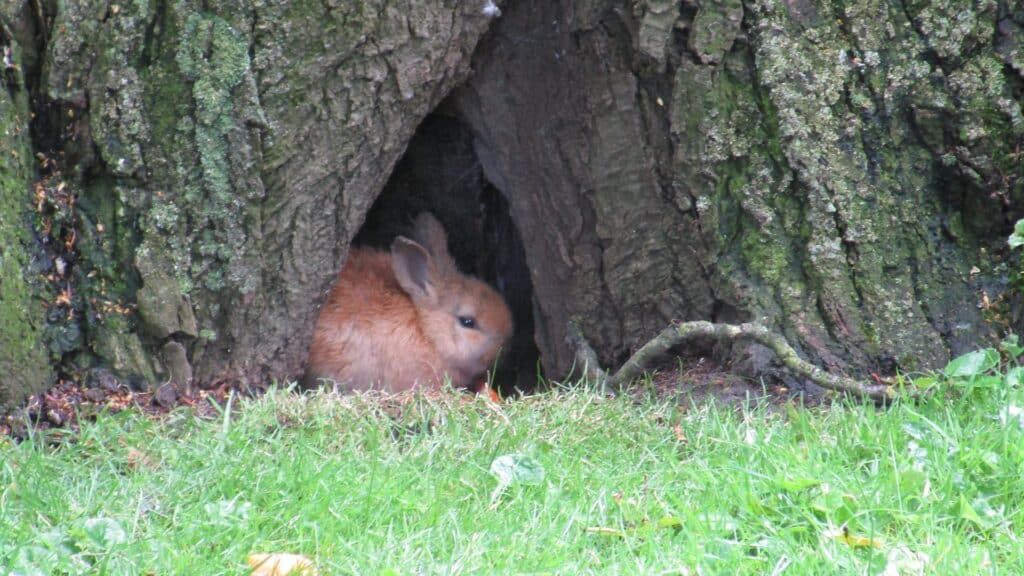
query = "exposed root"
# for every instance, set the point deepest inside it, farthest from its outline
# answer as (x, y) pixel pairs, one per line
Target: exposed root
(643, 358)
(586, 358)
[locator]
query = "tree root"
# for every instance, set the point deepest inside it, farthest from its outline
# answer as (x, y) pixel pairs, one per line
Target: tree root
(643, 358)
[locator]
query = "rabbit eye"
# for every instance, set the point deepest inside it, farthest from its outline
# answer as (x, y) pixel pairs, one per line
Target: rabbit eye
(467, 321)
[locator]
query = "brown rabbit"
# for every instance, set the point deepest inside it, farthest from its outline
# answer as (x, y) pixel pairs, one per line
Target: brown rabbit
(406, 318)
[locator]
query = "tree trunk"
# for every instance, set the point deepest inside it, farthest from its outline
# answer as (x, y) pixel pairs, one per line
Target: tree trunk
(24, 366)
(835, 171)
(844, 172)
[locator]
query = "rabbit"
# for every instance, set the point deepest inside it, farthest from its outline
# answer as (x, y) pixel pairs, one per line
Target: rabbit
(407, 318)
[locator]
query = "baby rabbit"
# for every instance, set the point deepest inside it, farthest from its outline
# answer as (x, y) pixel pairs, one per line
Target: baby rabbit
(406, 318)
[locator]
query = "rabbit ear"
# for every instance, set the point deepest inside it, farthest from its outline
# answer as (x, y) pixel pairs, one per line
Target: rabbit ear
(414, 269)
(427, 230)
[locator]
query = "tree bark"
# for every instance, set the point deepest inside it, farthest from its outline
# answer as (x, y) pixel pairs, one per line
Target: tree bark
(222, 156)
(24, 366)
(843, 172)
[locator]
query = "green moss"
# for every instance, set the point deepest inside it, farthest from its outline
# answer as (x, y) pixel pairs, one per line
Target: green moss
(23, 362)
(216, 59)
(954, 27)
(194, 227)
(765, 255)
(715, 28)
(990, 120)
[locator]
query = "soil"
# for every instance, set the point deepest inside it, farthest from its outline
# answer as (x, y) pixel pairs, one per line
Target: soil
(59, 411)
(698, 380)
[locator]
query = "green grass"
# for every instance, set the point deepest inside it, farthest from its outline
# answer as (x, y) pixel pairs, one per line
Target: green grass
(692, 490)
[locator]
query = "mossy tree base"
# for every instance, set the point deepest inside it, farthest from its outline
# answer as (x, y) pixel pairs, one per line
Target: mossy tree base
(24, 363)
(842, 173)
(645, 358)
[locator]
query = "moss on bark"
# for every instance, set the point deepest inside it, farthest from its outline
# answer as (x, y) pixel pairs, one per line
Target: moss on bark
(24, 364)
(832, 168)
(836, 229)
(237, 146)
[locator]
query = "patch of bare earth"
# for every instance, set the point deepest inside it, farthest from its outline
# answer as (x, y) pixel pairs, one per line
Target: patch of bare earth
(61, 409)
(699, 380)
(690, 381)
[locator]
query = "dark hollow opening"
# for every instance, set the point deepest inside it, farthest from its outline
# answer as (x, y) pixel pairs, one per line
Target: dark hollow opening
(440, 173)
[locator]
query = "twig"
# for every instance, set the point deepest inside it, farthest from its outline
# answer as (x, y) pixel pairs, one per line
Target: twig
(642, 359)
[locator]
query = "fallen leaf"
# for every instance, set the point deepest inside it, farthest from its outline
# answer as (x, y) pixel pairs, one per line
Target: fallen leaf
(481, 388)
(515, 469)
(138, 459)
(902, 561)
(281, 565)
(852, 540)
(680, 436)
(606, 531)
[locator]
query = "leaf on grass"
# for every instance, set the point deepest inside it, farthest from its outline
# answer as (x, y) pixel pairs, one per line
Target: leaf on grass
(925, 382)
(34, 561)
(670, 522)
(1015, 377)
(104, 532)
(1012, 414)
(852, 540)
(798, 484)
(641, 529)
(972, 364)
(515, 469)
(1016, 239)
(600, 530)
(281, 565)
(902, 561)
(1011, 345)
(967, 512)
(138, 459)
(227, 512)
(988, 381)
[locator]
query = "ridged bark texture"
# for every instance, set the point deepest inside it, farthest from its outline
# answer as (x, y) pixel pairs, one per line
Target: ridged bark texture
(845, 172)
(24, 364)
(226, 153)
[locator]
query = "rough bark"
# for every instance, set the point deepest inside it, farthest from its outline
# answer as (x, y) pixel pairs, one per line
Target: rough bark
(24, 365)
(842, 172)
(222, 157)
(833, 169)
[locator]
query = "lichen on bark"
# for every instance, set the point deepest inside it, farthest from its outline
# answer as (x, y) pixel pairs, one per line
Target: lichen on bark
(817, 188)
(830, 168)
(229, 152)
(24, 364)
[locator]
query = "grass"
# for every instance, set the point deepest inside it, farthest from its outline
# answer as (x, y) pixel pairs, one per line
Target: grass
(628, 488)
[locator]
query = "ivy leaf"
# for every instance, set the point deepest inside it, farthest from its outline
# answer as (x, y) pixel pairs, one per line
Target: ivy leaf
(104, 533)
(515, 469)
(967, 512)
(972, 364)
(1015, 377)
(1017, 238)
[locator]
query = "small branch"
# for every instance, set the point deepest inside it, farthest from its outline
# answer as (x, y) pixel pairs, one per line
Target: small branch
(643, 358)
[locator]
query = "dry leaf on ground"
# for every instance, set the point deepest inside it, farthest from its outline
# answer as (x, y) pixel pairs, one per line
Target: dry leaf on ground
(281, 565)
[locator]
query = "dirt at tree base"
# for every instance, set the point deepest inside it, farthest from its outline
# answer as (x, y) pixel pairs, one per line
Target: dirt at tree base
(59, 411)
(695, 381)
